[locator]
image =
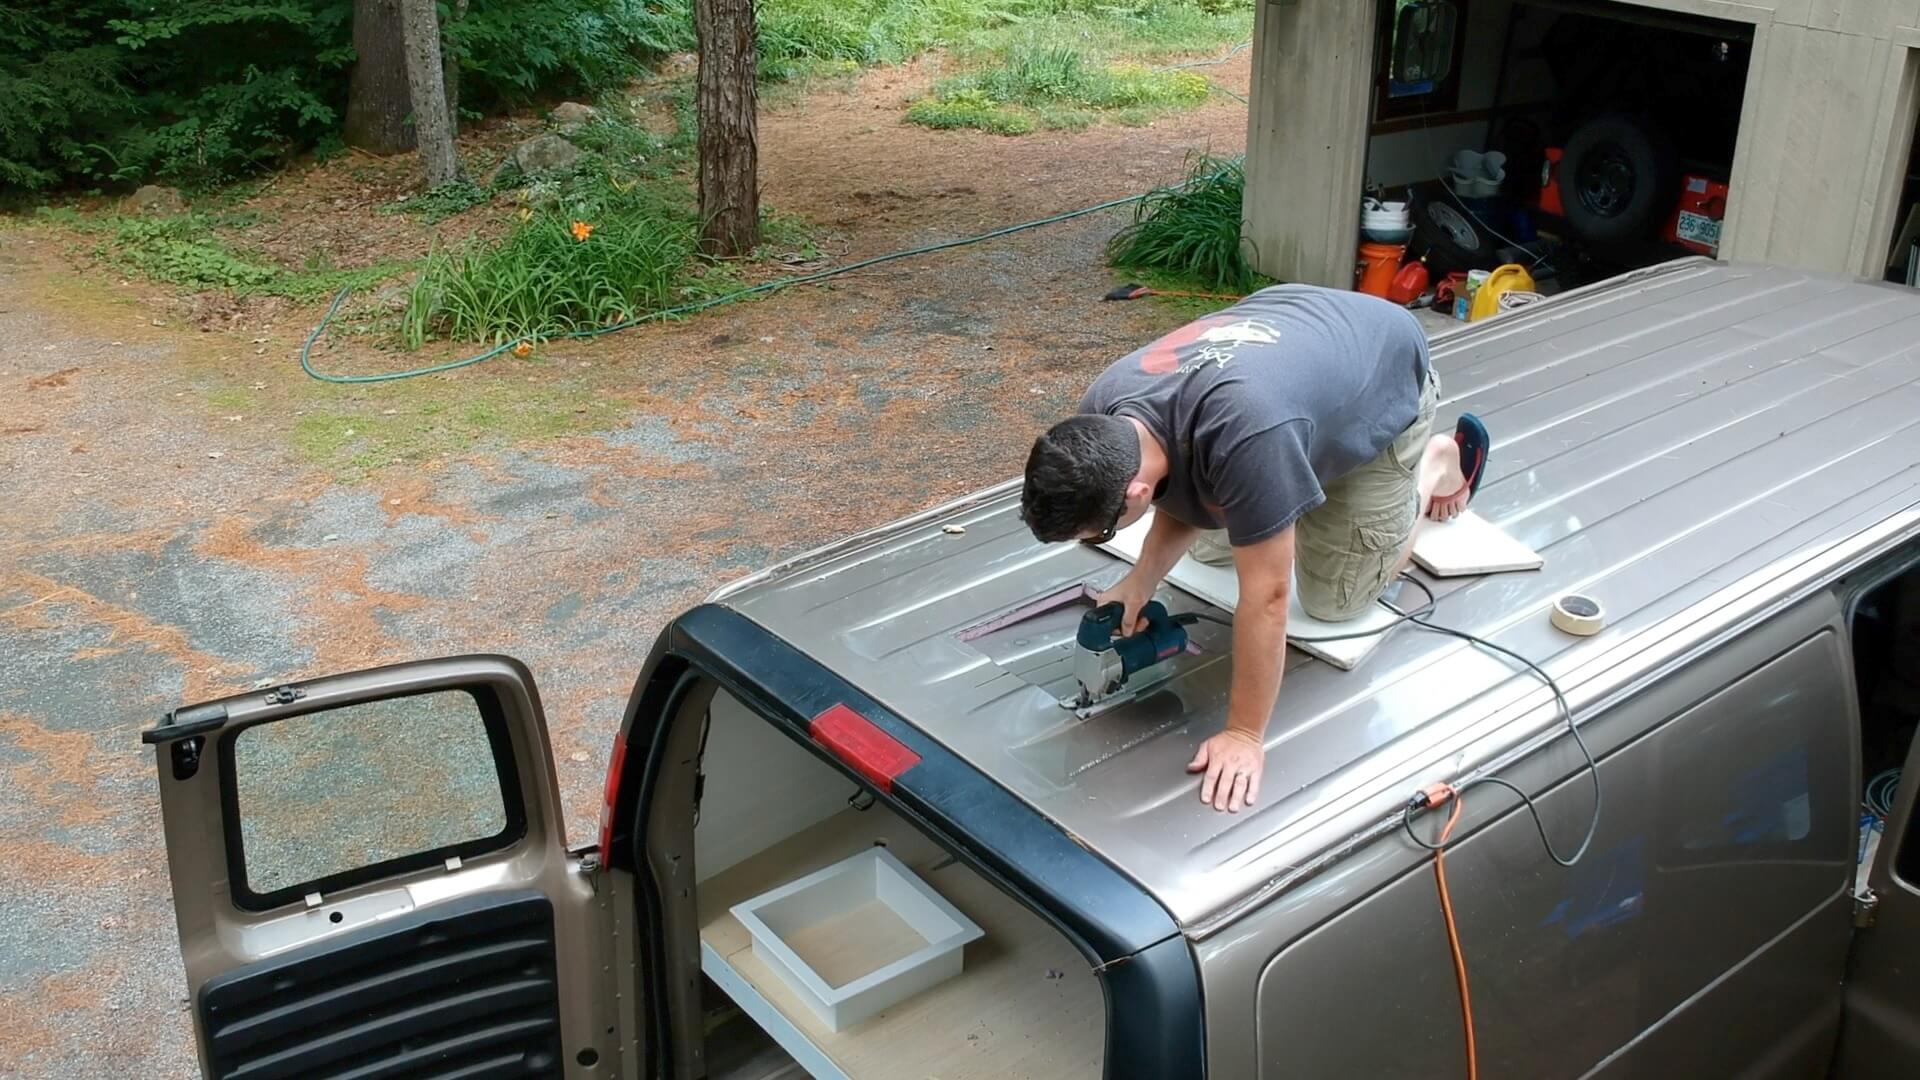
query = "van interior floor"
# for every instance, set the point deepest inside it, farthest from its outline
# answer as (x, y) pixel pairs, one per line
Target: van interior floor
(1025, 1004)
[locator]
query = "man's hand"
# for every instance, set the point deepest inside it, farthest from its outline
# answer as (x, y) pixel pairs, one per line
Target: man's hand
(1167, 539)
(1132, 593)
(1233, 762)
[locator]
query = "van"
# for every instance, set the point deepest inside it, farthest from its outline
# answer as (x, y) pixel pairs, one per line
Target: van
(371, 876)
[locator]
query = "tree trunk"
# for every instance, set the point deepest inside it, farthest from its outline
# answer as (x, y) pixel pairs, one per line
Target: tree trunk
(378, 100)
(729, 140)
(451, 65)
(433, 130)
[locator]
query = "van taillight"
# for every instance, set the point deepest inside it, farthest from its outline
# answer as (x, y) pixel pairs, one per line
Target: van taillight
(615, 764)
(860, 743)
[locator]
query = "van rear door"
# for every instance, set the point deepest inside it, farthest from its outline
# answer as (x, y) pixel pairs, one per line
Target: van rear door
(1881, 1034)
(370, 877)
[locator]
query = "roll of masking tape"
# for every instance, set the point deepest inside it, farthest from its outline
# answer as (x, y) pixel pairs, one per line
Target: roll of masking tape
(1581, 615)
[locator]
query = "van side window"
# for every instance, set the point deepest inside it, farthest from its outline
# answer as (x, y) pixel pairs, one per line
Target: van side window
(328, 798)
(1886, 654)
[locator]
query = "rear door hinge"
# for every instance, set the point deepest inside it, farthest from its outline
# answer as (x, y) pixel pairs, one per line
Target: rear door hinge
(1866, 909)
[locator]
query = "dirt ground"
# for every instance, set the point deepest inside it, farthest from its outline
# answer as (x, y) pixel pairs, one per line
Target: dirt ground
(184, 514)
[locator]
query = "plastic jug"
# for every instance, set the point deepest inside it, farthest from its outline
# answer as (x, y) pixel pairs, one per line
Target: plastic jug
(1509, 278)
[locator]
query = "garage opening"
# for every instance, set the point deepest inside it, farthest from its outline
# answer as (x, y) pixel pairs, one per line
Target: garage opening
(1573, 139)
(1903, 258)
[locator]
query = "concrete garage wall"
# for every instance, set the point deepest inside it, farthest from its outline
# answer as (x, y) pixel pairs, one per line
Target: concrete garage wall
(1824, 137)
(1824, 132)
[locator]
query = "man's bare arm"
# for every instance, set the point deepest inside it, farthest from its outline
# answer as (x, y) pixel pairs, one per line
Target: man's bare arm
(1167, 540)
(1234, 760)
(1265, 571)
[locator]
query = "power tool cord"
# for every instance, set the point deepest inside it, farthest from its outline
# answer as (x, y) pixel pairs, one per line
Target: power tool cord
(1187, 618)
(1421, 617)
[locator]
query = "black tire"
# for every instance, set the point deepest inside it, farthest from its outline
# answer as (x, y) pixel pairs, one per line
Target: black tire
(1615, 183)
(1449, 237)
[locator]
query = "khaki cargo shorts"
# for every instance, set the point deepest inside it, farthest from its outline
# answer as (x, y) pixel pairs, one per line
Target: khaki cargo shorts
(1348, 549)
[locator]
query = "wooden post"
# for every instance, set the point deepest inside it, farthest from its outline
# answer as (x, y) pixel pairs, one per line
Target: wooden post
(1307, 137)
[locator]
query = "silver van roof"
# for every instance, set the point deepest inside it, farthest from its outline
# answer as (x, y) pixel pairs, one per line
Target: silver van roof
(1689, 444)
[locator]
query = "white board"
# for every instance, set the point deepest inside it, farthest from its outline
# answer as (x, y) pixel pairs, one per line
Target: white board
(1220, 586)
(1470, 544)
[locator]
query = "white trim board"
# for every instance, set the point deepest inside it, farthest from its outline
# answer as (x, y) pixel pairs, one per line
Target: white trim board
(771, 1020)
(1220, 586)
(1470, 544)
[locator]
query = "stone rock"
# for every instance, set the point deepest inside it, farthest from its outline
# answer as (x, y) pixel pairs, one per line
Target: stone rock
(571, 114)
(154, 199)
(545, 154)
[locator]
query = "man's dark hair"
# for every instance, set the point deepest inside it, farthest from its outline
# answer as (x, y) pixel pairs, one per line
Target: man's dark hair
(1077, 476)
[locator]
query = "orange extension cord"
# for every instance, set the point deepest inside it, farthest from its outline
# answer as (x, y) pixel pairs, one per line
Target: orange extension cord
(1131, 291)
(1435, 793)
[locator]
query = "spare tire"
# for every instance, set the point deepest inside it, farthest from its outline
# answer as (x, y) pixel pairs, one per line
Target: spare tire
(1449, 238)
(1614, 183)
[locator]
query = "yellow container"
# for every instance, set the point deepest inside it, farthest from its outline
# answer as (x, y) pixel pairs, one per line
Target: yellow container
(1486, 299)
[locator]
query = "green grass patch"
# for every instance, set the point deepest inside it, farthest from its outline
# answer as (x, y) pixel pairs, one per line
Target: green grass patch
(1047, 84)
(969, 110)
(1039, 74)
(424, 420)
(1065, 118)
(1191, 233)
(188, 250)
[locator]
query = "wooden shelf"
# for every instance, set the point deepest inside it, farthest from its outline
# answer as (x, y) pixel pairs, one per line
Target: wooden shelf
(1026, 1007)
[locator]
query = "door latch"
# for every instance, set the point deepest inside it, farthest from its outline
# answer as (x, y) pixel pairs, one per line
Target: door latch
(1866, 909)
(285, 695)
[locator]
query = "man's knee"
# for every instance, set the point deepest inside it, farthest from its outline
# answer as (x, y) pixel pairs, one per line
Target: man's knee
(1328, 601)
(1211, 548)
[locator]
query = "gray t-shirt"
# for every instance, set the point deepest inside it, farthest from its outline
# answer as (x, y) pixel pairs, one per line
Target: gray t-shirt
(1262, 405)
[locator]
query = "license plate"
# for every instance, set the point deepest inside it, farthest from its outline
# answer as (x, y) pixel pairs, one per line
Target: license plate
(1698, 228)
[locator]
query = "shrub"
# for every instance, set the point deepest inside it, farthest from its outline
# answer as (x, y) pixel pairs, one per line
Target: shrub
(796, 35)
(1191, 231)
(544, 279)
(115, 92)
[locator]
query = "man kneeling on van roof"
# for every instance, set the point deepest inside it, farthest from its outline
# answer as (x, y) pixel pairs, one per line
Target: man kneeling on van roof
(1287, 435)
